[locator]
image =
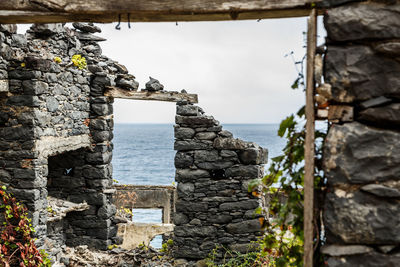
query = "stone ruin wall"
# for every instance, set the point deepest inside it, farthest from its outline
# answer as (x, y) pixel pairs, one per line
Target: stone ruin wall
(55, 144)
(56, 130)
(362, 154)
(213, 206)
(361, 160)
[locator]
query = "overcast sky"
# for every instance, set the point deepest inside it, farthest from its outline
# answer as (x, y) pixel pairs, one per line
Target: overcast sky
(237, 68)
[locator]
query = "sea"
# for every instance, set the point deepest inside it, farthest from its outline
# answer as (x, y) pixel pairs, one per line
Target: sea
(144, 155)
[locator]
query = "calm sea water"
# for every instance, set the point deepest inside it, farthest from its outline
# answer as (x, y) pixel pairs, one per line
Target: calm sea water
(144, 155)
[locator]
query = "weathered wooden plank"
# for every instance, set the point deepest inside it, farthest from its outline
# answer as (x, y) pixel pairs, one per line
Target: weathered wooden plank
(309, 147)
(146, 95)
(46, 11)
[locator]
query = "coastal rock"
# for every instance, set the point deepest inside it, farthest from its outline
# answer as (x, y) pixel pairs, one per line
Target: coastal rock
(356, 153)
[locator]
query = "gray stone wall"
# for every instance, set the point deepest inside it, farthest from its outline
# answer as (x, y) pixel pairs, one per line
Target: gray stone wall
(213, 169)
(361, 157)
(56, 129)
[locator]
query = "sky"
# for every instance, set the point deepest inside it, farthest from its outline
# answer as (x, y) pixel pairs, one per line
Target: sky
(237, 68)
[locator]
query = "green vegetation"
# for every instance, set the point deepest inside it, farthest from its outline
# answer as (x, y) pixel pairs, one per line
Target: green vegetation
(17, 247)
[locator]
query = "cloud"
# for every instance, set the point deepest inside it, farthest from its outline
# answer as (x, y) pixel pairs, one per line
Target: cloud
(238, 68)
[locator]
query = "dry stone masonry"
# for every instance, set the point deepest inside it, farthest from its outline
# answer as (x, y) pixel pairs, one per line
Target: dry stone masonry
(213, 207)
(361, 158)
(56, 130)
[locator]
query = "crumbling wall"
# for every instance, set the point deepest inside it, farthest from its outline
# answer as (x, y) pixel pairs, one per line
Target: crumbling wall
(213, 169)
(49, 107)
(361, 157)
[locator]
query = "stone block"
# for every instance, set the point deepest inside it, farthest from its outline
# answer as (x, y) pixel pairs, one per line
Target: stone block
(391, 48)
(354, 217)
(195, 121)
(361, 21)
(230, 143)
(106, 211)
(250, 204)
(215, 165)
(8, 28)
(23, 100)
(184, 206)
(184, 133)
(381, 190)
(187, 110)
(195, 231)
(357, 73)
(183, 160)
(101, 136)
(371, 259)
(220, 219)
(244, 171)
(206, 135)
(388, 116)
(186, 145)
(4, 87)
(38, 63)
(249, 226)
(47, 29)
(97, 172)
(180, 218)
(99, 158)
(52, 104)
(101, 109)
(254, 155)
(356, 153)
(183, 175)
(34, 87)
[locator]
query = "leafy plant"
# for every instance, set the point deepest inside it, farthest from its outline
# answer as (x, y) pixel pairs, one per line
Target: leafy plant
(17, 247)
(167, 247)
(284, 236)
(237, 259)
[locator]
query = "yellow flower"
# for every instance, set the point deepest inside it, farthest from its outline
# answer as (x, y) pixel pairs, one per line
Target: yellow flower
(23, 64)
(57, 60)
(79, 61)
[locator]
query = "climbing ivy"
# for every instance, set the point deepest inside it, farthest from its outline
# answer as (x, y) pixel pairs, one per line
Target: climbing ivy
(17, 247)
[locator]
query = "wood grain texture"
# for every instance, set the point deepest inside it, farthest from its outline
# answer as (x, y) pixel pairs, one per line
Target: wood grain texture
(155, 96)
(42, 11)
(309, 148)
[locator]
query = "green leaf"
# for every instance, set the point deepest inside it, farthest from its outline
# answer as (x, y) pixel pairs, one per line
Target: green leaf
(285, 124)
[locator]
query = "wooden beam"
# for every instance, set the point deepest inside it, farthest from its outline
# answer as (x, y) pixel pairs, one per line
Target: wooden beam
(309, 152)
(146, 95)
(48, 11)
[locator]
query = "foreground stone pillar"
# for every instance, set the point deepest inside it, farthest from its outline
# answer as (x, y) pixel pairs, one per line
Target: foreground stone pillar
(213, 206)
(362, 158)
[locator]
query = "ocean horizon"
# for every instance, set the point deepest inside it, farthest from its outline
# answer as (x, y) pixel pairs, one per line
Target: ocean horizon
(144, 155)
